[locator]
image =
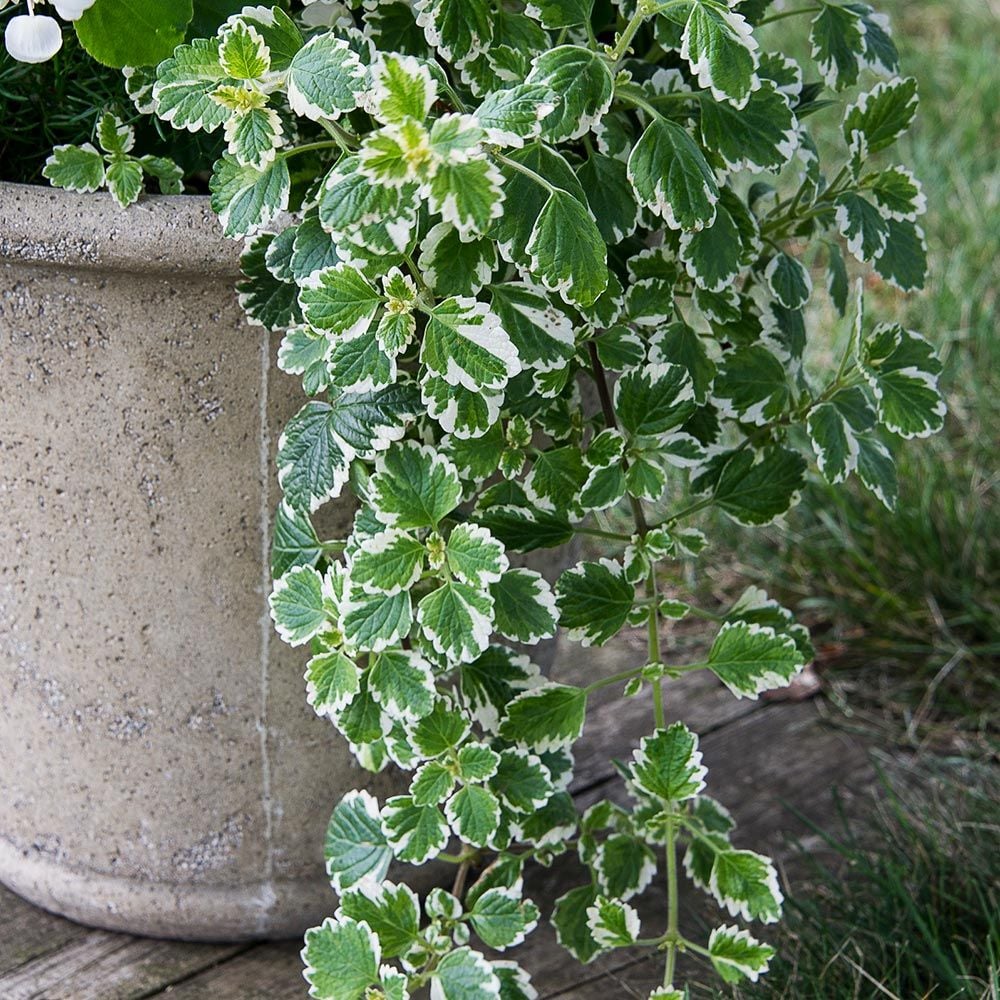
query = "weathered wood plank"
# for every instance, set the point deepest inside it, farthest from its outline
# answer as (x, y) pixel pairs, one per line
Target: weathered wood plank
(99, 965)
(267, 972)
(27, 932)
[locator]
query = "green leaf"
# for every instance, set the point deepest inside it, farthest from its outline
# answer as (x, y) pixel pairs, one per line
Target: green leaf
(543, 336)
(524, 528)
(712, 256)
(133, 32)
(672, 178)
(458, 29)
(184, 85)
(492, 680)
(877, 470)
(624, 866)
(719, 46)
(440, 731)
(355, 847)
(521, 782)
(833, 441)
(752, 386)
(453, 266)
(612, 923)
(678, 344)
(474, 814)
(880, 116)
(477, 762)
(457, 620)
(321, 440)
(298, 605)
(332, 682)
(341, 959)
(837, 38)
(243, 54)
(902, 370)
(373, 622)
(511, 116)
(754, 489)
(475, 556)
(254, 135)
(391, 911)
(862, 225)
(788, 280)
(761, 136)
(402, 87)
(898, 194)
(340, 300)
(432, 784)
(513, 230)
(667, 765)
(610, 197)
(272, 303)
(903, 260)
(501, 919)
(545, 718)
(469, 195)
(560, 13)
(463, 974)
(737, 956)
(247, 199)
(414, 486)
(750, 658)
(293, 542)
(746, 884)
(583, 81)
(415, 833)
(566, 251)
(402, 682)
(325, 78)
(556, 478)
(524, 606)
(75, 168)
(570, 921)
(652, 400)
(387, 562)
(278, 30)
(594, 601)
(465, 345)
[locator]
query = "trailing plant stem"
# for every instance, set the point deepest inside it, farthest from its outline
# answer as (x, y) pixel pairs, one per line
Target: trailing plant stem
(672, 903)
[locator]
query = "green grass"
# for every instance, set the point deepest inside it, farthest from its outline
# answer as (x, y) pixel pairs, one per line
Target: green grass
(910, 602)
(906, 904)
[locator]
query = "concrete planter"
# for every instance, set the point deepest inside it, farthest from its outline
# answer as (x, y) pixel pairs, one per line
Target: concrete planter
(161, 772)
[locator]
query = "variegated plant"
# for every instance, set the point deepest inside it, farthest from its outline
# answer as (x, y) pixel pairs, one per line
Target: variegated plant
(472, 218)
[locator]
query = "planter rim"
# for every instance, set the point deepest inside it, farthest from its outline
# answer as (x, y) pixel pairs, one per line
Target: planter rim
(168, 234)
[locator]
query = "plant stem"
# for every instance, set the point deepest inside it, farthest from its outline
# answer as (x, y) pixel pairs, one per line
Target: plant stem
(460, 876)
(672, 903)
(310, 146)
(624, 675)
(788, 13)
(654, 647)
(527, 171)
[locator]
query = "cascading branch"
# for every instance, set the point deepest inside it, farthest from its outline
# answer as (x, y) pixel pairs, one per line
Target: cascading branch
(518, 200)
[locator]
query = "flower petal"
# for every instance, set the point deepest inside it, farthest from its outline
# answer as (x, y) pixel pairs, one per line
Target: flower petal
(33, 38)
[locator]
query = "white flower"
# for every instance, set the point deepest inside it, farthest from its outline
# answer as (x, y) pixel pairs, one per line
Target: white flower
(71, 10)
(33, 38)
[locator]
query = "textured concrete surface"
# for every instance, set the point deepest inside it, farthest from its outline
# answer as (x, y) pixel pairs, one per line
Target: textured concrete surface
(161, 771)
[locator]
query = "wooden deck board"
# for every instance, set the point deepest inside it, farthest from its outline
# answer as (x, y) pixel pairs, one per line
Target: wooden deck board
(762, 760)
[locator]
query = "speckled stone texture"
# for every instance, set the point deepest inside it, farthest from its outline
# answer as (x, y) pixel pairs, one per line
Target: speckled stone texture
(160, 771)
